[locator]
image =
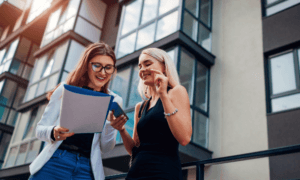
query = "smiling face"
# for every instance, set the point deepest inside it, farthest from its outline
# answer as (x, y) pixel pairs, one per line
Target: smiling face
(146, 63)
(98, 79)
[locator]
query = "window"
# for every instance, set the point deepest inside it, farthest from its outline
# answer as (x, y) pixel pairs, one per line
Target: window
(197, 21)
(60, 21)
(144, 22)
(9, 101)
(46, 72)
(17, 57)
(275, 6)
(37, 8)
(4, 142)
(24, 146)
(284, 81)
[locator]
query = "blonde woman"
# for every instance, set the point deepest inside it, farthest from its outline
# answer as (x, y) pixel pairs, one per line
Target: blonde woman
(69, 156)
(161, 123)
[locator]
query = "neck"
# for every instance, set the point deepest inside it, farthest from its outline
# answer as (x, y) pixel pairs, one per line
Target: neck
(90, 85)
(153, 93)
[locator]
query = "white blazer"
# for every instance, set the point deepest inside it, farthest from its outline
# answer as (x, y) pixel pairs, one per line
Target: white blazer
(102, 142)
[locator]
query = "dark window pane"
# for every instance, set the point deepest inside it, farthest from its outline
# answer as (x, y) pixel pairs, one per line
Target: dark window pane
(134, 96)
(19, 97)
(200, 127)
(204, 37)
(8, 92)
(201, 86)
(190, 26)
(3, 114)
(16, 67)
(283, 73)
(192, 6)
(186, 74)
(205, 10)
(4, 142)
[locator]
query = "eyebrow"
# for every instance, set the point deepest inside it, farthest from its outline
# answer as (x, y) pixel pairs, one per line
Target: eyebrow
(147, 60)
(102, 64)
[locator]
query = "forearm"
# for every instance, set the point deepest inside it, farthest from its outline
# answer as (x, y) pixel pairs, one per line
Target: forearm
(177, 122)
(127, 141)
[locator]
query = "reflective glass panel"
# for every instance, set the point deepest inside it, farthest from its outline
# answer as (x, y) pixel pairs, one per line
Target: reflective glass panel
(48, 66)
(149, 10)
(30, 124)
(72, 8)
(204, 37)
(12, 118)
(3, 114)
(10, 161)
(19, 96)
(134, 96)
(59, 57)
(47, 38)
(33, 151)
(68, 25)
(22, 123)
(64, 76)
(6, 65)
(12, 50)
(190, 26)
(271, 1)
(37, 7)
(2, 54)
(27, 72)
(281, 6)
(38, 68)
(87, 30)
(167, 25)
(200, 129)
(16, 67)
(52, 82)
(8, 92)
(205, 10)
(30, 93)
(192, 6)
(145, 36)
(283, 73)
(4, 145)
(120, 83)
(201, 86)
(22, 154)
(286, 102)
(31, 58)
(186, 74)
(167, 5)
(126, 45)
(74, 54)
(53, 20)
(41, 88)
(131, 16)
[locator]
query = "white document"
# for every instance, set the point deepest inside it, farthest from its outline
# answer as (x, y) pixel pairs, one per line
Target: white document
(83, 110)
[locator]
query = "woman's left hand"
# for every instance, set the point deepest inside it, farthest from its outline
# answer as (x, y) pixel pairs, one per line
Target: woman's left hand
(160, 82)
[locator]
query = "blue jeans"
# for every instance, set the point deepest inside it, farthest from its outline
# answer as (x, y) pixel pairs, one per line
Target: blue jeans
(65, 166)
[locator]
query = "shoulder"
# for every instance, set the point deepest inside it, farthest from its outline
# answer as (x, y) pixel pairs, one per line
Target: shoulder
(138, 105)
(58, 91)
(178, 90)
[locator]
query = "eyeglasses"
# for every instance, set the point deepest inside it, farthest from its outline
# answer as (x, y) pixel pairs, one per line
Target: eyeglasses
(97, 67)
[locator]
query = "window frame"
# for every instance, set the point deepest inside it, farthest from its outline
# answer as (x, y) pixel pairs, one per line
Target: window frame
(265, 6)
(268, 69)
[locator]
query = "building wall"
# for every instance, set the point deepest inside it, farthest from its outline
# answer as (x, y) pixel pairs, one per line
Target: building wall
(237, 91)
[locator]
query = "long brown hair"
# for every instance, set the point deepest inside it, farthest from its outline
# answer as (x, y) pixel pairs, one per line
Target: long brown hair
(79, 76)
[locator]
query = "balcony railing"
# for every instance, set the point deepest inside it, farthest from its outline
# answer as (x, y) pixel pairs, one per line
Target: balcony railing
(242, 157)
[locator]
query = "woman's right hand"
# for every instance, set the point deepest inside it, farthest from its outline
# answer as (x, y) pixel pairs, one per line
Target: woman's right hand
(61, 133)
(117, 123)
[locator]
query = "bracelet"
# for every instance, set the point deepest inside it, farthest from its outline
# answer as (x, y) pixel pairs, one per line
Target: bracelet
(169, 114)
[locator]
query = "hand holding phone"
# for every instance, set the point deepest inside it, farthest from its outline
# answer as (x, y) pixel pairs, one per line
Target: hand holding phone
(118, 111)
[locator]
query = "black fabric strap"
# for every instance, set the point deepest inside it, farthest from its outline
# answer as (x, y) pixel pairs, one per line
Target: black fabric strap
(141, 109)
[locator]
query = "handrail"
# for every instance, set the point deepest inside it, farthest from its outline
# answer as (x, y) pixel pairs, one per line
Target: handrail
(241, 157)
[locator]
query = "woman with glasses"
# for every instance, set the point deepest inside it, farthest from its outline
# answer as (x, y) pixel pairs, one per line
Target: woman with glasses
(77, 156)
(161, 123)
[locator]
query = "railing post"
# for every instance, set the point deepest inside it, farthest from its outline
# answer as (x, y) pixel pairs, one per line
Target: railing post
(200, 172)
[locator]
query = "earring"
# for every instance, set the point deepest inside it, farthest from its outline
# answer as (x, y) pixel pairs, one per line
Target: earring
(146, 90)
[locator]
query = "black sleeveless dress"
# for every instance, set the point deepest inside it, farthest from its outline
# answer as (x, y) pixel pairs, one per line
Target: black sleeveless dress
(157, 156)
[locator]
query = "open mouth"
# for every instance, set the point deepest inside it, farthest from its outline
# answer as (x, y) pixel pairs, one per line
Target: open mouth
(100, 78)
(144, 75)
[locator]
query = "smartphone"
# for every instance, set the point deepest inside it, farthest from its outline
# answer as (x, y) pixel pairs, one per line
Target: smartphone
(118, 111)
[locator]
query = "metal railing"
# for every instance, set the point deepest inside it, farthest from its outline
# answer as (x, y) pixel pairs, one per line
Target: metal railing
(242, 157)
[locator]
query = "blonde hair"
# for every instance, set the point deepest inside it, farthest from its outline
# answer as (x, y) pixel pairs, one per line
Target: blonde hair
(171, 72)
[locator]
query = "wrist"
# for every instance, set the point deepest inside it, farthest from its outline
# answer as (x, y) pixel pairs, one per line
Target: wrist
(122, 130)
(163, 96)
